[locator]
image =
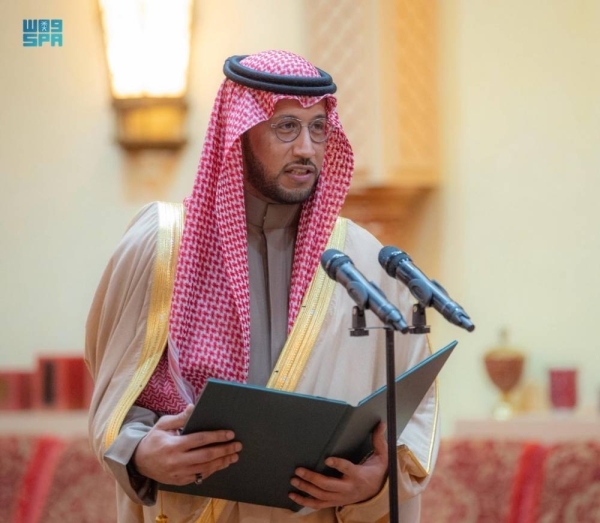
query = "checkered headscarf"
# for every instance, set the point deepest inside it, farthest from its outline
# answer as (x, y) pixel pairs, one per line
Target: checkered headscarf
(209, 324)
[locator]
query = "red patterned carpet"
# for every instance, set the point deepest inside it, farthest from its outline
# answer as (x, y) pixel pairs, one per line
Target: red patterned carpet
(52, 480)
(48, 479)
(81, 492)
(570, 487)
(476, 482)
(15, 455)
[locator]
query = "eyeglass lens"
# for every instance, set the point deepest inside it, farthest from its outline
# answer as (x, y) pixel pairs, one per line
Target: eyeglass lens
(288, 129)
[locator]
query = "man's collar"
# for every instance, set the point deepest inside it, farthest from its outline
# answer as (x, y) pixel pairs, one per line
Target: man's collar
(270, 215)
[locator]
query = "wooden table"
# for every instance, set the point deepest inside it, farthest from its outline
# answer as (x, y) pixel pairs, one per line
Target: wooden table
(547, 427)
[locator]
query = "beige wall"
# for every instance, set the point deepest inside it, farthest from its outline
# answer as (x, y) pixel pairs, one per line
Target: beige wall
(67, 190)
(521, 208)
(520, 126)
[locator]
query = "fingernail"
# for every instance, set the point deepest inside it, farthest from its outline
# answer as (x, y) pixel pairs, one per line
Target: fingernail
(230, 435)
(237, 447)
(329, 462)
(295, 483)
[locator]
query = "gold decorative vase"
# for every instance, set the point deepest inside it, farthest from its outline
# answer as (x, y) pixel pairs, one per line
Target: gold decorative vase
(504, 366)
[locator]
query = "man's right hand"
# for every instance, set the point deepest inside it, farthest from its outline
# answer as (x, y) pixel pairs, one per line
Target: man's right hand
(166, 456)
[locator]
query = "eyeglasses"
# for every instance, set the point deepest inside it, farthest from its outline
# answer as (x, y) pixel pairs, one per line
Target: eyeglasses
(288, 129)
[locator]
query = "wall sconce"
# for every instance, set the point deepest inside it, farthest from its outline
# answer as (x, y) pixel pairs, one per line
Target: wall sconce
(148, 49)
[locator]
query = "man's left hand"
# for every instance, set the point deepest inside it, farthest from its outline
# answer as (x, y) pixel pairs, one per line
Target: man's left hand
(358, 482)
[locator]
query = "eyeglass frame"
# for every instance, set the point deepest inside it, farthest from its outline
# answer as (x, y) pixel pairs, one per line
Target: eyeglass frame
(328, 128)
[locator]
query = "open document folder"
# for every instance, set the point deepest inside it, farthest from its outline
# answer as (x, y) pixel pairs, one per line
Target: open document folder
(281, 431)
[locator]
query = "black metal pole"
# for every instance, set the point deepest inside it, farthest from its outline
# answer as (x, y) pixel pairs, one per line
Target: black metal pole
(391, 424)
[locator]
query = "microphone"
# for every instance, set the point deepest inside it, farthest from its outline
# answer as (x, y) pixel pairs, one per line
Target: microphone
(367, 295)
(429, 293)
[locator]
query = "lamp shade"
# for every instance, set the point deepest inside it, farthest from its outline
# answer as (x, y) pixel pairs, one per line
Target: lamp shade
(147, 46)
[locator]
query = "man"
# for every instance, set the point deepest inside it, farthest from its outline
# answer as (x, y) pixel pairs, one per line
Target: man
(241, 297)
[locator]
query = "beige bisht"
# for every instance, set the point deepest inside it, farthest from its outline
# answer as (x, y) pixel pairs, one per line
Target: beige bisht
(127, 332)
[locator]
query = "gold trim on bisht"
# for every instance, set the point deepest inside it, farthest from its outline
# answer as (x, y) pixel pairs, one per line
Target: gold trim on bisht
(435, 422)
(170, 226)
(404, 453)
(427, 469)
(299, 344)
(296, 351)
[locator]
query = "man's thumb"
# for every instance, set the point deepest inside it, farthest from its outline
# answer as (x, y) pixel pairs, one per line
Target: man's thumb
(175, 421)
(379, 440)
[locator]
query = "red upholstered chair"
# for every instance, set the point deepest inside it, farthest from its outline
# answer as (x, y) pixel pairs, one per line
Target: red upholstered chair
(23, 460)
(568, 490)
(80, 490)
(478, 482)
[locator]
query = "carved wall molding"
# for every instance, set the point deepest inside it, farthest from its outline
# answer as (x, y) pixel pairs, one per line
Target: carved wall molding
(382, 56)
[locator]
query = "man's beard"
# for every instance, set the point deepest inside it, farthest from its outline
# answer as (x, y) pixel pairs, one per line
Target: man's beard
(256, 176)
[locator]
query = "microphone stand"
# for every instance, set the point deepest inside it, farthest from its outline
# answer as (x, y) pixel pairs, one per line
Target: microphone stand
(391, 423)
(359, 329)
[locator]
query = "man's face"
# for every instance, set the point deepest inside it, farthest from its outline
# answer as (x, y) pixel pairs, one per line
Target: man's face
(283, 172)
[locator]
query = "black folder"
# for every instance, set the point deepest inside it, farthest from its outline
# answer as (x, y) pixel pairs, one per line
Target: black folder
(281, 431)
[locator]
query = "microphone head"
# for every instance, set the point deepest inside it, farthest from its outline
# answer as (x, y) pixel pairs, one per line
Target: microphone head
(389, 258)
(466, 323)
(331, 260)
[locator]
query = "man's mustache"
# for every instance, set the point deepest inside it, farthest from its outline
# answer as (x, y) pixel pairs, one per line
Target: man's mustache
(301, 164)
